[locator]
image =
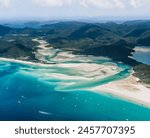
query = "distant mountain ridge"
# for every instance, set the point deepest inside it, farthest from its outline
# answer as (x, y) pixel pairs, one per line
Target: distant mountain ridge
(4, 30)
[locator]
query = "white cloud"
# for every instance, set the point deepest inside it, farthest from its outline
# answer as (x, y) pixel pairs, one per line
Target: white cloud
(62, 8)
(140, 4)
(101, 4)
(85, 3)
(105, 4)
(136, 3)
(119, 4)
(52, 3)
(97, 3)
(5, 3)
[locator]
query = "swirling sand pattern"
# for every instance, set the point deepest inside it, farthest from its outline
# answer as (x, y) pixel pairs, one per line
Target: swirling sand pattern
(60, 90)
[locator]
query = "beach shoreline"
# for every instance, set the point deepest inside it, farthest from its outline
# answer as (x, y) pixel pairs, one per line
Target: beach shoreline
(128, 89)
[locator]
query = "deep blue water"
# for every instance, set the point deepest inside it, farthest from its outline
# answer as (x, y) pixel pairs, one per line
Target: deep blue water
(25, 95)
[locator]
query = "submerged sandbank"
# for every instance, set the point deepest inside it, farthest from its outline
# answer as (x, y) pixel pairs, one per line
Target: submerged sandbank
(81, 75)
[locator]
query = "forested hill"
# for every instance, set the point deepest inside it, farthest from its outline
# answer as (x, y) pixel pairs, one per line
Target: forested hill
(101, 39)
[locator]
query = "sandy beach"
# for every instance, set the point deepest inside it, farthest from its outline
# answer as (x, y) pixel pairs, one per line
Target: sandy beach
(87, 73)
(25, 62)
(129, 89)
(142, 49)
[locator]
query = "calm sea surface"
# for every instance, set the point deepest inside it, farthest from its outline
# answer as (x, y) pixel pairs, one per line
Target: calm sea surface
(142, 55)
(26, 94)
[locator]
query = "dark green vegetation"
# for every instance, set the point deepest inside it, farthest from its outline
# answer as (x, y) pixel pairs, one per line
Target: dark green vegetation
(113, 40)
(142, 71)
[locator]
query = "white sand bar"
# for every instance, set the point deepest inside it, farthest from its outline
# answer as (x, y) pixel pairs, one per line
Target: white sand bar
(127, 88)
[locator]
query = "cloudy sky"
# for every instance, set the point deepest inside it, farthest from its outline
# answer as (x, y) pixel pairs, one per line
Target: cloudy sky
(53, 9)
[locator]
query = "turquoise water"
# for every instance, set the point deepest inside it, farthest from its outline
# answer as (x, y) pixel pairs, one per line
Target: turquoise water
(27, 93)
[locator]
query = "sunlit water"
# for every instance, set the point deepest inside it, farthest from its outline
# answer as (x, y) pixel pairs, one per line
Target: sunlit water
(60, 91)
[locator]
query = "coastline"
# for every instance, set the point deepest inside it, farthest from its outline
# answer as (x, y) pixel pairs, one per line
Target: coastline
(129, 89)
(25, 62)
(142, 49)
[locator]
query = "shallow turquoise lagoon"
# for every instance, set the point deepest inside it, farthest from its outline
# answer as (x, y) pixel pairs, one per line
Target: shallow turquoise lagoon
(26, 94)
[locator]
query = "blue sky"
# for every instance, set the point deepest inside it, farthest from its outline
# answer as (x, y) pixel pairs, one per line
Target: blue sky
(53, 9)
